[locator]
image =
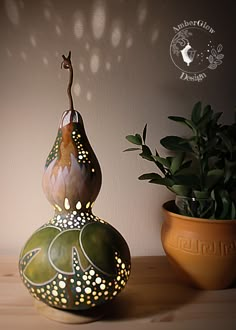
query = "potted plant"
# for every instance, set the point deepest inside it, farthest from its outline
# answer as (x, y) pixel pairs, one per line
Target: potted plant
(199, 228)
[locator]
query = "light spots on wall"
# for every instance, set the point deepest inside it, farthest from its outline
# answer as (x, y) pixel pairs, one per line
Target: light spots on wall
(58, 30)
(81, 67)
(12, 11)
(21, 4)
(89, 96)
(47, 14)
(95, 62)
(101, 40)
(23, 55)
(116, 33)
(108, 66)
(79, 23)
(154, 35)
(45, 60)
(77, 89)
(8, 52)
(129, 41)
(33, 40)
(142, 12)
(98, 19)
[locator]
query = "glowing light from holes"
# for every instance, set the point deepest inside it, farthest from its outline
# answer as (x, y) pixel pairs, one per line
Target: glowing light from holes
(12, 11)
(142, 13)
(58, 208)
(94, 63)
(87, 205)
(98, 19)
(78, 205)
(154, 36)
(78, 25)
(77, 89)
(88, 290)
(116, 34)
(66, 204)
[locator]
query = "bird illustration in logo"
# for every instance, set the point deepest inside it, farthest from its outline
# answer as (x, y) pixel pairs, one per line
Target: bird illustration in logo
(188, 54)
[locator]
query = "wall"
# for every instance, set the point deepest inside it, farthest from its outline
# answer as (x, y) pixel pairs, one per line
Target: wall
(124, 78)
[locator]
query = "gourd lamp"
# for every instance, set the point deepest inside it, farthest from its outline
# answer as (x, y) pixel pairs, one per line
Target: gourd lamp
(76, 261)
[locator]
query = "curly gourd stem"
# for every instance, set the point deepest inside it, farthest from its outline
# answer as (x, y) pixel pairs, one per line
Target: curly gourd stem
(66, 64)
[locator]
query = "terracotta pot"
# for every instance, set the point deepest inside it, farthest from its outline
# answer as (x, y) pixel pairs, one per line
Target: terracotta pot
(202, 251)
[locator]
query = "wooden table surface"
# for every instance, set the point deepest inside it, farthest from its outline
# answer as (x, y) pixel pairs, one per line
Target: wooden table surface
(153, 299)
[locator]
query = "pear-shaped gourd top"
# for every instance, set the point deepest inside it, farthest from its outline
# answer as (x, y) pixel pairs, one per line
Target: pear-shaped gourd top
(72, 176)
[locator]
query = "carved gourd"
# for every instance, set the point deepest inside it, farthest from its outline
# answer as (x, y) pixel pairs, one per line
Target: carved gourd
(75, 261)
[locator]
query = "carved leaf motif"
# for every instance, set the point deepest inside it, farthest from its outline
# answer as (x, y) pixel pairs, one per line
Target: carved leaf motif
(100, 242)
(39, 269)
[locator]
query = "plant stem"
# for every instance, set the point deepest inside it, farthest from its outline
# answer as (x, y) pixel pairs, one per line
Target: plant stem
(66, 63)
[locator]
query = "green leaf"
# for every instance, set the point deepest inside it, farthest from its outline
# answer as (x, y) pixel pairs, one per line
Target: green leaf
(201, 194)
(164, 161)
(183, 120)
(177, 162)
(185, 166)
(205, 118)
(159, 165)
(223, 204)
(207, 110)
(162, 181)
(225, 208)
(144, 133)
(227, 142)
(233, 211)
(146, 153)
(189, 180)
(192, 125)
(216, 116)
(196, 112)
(135, 139)
(176, 143)
(149, 176)
(156, 178)
(178, 119)
(180, 190)
(230, 170)
(213, 177)
(131, 149)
